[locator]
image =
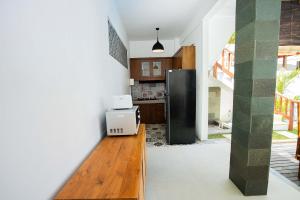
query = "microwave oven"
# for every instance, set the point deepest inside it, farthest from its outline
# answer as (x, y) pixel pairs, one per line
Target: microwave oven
(123, 122)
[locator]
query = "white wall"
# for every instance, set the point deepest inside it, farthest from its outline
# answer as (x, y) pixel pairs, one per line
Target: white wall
(197, 37)
(199, 33)
(56, 79)
(220, 30)
(140, 49)
(226, 104)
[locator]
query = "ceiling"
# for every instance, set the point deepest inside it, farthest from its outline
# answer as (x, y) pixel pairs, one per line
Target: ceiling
(141, 17)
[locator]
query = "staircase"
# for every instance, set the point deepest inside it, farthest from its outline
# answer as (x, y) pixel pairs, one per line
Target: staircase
(223, 69)
(285, 109)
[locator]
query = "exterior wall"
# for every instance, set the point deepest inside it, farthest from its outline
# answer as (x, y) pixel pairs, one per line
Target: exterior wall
(214, 102)
(220, 30)
(56, 83)
(226, 100)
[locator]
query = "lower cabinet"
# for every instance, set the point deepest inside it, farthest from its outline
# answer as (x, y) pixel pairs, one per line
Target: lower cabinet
(152, 113)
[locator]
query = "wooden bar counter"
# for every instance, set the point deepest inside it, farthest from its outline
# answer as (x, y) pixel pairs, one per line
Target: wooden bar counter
(114, 170)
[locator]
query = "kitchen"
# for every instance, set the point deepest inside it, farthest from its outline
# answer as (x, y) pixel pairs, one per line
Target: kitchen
(149, 90)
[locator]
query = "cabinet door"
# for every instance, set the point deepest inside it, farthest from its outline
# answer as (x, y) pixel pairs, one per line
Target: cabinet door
(152, 113)
(167, 64)
(177, 60)
(144, 109)
(134, 69)
(157, 70)
(145, 69)
(158, 113)
(188, 58)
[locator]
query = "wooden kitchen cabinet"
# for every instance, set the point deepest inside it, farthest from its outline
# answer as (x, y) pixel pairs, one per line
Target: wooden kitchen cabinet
(152, 113)
(149, 69)
(184, 58)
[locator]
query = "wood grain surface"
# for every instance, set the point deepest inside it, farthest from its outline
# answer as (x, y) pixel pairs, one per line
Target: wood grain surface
(114, 170)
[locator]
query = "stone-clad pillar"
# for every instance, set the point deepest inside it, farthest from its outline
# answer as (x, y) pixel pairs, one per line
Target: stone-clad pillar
(257, 34)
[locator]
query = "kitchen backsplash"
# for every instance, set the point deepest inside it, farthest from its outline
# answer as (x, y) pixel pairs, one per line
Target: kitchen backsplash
(148, 90)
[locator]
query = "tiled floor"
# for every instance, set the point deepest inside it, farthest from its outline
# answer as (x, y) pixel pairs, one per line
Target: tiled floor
(282, 160)
(156, 134)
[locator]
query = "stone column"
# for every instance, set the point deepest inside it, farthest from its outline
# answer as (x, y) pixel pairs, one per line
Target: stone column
(257, 34)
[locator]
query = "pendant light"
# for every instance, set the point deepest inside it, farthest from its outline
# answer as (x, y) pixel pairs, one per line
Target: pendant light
(158, 47)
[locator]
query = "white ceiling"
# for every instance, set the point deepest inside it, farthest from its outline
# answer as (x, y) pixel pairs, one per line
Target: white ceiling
(141, 17)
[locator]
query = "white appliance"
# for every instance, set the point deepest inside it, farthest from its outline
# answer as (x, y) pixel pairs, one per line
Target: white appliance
(122, 102)
(123, 122)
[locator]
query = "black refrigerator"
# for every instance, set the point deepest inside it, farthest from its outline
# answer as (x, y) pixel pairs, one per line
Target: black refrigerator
(181, 106)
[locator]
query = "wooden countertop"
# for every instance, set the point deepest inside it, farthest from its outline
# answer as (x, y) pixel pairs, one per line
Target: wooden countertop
(112, 171)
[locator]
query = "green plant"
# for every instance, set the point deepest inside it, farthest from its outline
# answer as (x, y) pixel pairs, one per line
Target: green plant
(283, 79)
(277, 136)
(295, 131)
(297, 97)
(215, 136)
(232, 39)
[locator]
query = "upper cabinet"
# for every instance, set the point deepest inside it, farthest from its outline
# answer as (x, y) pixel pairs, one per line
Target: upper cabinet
(184, 58)
(149, 69)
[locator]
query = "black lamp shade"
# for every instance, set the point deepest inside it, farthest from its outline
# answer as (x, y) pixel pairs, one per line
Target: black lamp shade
(158, 47)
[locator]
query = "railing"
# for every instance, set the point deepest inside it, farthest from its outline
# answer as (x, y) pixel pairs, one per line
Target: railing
(286, 107)
(227, 61)
(298, 143)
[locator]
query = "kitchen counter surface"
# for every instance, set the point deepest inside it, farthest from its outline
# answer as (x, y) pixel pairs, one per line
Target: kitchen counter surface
(149, 101)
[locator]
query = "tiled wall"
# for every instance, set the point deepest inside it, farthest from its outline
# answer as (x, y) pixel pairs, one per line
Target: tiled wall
(148, 90)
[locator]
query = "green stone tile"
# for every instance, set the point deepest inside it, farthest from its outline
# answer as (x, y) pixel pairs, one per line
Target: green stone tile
(240, 135)
(264, 69)
(244, 51)
(262, 105)
(243, 71)
(243, 87)
(256, 187)
(239, 169)
(262, 124)
(242, 121)
(259, 157)
(259, 141)
(264, 30)
(236, 178)
(263, 87)
(248, 139)
(245, 10)
(239, 153)
(253, 173)
(246, 33)
(266, 50)
(268, 9)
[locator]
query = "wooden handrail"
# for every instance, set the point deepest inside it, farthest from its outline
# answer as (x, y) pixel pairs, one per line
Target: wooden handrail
(226, 71)
(285, 106)
(227, 60)
(298, 142)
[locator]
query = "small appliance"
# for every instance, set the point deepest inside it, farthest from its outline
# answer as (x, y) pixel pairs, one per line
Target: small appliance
(123, 122)
(122, 102)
